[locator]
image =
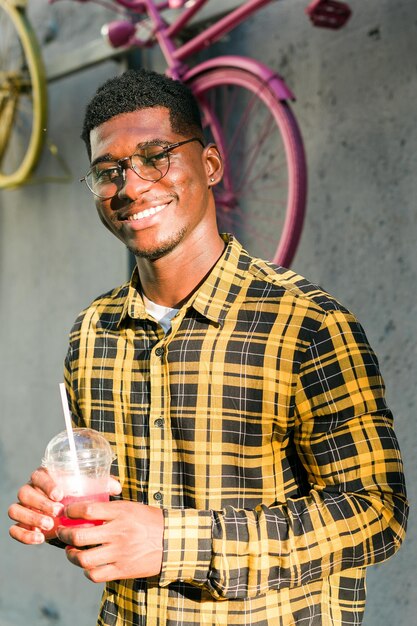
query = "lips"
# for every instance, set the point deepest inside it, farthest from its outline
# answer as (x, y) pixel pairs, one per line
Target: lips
(147, 212)
(152, 208)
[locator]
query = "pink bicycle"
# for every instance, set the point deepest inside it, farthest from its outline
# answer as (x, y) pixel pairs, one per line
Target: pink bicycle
(246, 112)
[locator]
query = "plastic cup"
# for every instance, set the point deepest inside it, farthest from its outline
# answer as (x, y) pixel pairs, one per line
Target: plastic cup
(81, 478)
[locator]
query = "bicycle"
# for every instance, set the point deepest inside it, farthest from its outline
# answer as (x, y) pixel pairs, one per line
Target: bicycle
(245, 111)
(23, 97)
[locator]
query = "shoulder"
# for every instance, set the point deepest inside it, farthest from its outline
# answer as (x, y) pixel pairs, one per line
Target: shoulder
(326, 326)
(293, 287)
(105, 310)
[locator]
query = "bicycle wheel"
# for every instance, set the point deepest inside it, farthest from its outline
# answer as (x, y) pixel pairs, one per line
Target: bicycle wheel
(263, 194)
(23, 107)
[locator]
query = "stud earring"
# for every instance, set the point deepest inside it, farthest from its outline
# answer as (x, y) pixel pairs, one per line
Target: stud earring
(212, 180)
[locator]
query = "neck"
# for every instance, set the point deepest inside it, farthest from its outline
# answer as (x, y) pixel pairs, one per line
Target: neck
(171, 279)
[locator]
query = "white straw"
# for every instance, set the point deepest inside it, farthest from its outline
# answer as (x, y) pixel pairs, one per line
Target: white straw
(70, 432)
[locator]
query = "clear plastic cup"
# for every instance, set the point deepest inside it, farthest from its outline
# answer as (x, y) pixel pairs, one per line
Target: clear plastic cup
(87, 479)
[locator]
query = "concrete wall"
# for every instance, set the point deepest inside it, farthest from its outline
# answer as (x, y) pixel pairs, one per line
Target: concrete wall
(356, 92)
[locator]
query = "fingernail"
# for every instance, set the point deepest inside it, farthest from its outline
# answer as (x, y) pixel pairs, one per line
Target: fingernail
(56, 494)
(47, 523)
(57, 509)
(39, 537)
(114, 486)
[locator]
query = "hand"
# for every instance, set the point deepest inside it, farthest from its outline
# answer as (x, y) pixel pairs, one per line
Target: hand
(38, 503)
(37, 506)
(127, 545)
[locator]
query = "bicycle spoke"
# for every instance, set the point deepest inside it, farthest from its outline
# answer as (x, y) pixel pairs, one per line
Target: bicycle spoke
(7, 110)
(261, 198)
(248, 176)
(254, 151)
(242, 124)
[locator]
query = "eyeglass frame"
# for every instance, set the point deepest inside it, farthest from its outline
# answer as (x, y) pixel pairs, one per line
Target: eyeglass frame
(167, 149)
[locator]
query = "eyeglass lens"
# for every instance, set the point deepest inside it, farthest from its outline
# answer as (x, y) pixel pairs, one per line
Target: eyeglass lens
(150, 163)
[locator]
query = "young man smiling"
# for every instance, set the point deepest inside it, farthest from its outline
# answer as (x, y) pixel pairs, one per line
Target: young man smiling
(259, 470)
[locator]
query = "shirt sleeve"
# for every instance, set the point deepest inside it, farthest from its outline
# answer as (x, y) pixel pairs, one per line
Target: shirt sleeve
(355, 513)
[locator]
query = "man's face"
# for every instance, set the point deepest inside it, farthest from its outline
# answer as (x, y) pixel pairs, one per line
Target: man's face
(153, 218)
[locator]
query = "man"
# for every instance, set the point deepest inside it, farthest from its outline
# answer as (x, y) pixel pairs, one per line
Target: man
(259, 469)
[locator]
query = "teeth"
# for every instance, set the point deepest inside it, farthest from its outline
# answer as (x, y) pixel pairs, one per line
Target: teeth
(146, 213)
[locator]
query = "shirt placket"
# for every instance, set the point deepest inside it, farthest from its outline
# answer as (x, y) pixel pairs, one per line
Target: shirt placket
(160, 456)
(160, 436)
(159, 449)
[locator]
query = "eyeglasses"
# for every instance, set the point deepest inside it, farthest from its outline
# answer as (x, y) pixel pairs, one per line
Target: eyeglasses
(151, 162)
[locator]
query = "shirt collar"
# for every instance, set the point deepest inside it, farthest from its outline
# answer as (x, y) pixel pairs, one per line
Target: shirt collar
(133, 305)
(215, 295)
(218, 292)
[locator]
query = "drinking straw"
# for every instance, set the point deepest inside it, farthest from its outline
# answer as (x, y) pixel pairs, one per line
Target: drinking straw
(70, 432)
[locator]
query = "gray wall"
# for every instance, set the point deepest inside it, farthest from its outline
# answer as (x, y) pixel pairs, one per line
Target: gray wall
(356, 92)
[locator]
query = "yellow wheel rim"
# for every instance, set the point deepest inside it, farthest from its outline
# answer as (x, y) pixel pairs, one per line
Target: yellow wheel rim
(18, 85)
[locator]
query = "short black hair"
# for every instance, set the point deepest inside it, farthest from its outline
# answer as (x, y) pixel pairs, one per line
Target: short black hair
(140, 89)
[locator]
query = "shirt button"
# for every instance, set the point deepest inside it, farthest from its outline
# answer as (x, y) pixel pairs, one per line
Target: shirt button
(159, 422)
(157, 496)
(159, 351)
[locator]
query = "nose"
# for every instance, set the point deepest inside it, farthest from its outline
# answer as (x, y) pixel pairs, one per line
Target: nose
(133, 184)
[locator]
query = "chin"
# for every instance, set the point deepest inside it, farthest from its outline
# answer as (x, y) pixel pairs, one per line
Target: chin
(152, 253)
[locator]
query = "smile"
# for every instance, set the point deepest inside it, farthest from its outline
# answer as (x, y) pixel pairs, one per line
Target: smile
(146, 213)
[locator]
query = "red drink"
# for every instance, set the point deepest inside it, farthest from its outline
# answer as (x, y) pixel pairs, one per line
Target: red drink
(81, 470)
(93, 497)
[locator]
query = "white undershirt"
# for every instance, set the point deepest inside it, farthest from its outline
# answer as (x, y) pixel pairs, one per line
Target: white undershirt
(162, 314)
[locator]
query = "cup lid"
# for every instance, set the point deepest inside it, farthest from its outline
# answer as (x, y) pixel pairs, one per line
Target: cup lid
(90, 445)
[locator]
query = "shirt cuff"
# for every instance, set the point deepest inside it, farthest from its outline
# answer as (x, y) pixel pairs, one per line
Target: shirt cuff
(187, 546)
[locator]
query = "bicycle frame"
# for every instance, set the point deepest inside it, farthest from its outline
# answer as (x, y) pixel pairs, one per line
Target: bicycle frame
(165, 33)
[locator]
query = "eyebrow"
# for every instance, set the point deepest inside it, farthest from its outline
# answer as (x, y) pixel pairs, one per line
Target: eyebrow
(108, 157)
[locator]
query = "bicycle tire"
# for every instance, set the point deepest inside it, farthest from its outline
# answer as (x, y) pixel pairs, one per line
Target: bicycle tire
(23, 96)
(255, 130)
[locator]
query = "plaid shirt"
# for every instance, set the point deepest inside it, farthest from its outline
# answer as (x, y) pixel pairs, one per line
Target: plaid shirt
(259, 425)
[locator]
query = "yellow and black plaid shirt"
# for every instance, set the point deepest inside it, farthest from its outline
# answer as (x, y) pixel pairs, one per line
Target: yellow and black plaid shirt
(259, 425)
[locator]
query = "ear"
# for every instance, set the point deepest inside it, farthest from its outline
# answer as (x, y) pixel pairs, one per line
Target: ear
(214, 164)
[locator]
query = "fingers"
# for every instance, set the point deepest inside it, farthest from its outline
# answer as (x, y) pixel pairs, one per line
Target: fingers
(87, 534)
(41, 480)
(39, 504)
(115, 488)
(88, 559)
(96, 563)
(35, 510)
(102, 574)
(28, 536)
(32, 527)
(33, 498)
(128, 545)
(29, 517)
(82, 535)
(102, 511)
